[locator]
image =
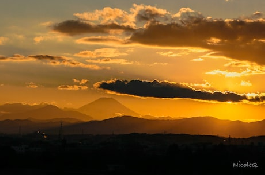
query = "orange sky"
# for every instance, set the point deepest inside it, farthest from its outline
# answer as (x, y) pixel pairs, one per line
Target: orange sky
(196, 47)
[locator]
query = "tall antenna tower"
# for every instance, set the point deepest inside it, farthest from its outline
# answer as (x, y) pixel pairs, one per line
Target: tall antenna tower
(61, 131)
(19, 131)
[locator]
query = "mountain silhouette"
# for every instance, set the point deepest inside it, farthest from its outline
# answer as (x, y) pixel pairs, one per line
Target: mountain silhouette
(104, 108)
(46, 112)
(18, 107)
(195, 125)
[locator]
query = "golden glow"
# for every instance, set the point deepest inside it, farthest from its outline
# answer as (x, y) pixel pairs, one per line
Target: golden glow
(229, 74)
(127, 44)
(214, 41)
(251, 95)
(245, 83)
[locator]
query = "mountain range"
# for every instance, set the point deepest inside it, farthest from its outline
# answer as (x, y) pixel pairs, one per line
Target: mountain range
(99, 109)
(18, 108)
(108, 116)
(194, 125)
(46, 112)
(128, 124)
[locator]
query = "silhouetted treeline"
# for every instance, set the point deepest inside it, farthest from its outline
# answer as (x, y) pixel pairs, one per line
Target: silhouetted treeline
(157, 154)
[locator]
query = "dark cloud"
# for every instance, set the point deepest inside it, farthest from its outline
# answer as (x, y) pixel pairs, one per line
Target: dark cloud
(257, 99)
(102, 40)
(241, 38)
(3, 58)
(60, 60)
(72, 87)
(52, 60)
(237, 39)
(149, 15)
(77, 27)
(255, 16)
(166, 90)
(47, 57)
(15, 57)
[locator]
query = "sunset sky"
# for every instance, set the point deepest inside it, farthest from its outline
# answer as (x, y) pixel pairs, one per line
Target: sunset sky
(162, 58)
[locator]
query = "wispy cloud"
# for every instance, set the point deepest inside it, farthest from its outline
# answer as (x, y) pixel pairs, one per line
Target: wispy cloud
(245, 83)
(110, 61)
(32, 85)
(81, 82)
(229, 74)
(172, 54)
(19, 37)
(138, 13)
(3, 40)
(78, 27)
(204, 85)
(197, 59)
(158, 64)
(103, 52)
(72, 87)
(16, 57)
(61, 60)
(52, 60)
(81, 85)
(46, 23)
(106, 40)
(250, 69)
(180, 51)
(47, 37)
(107, 16)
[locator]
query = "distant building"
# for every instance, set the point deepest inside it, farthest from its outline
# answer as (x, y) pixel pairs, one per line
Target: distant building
(20, 149)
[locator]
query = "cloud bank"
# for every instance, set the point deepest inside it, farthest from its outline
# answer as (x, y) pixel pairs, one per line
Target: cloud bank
(52, 60)
(241, 38)
(106, 40)
(236, 39)
(77, 27)
(166, 90)
(103, 52)
(159, 89)
(72, 87)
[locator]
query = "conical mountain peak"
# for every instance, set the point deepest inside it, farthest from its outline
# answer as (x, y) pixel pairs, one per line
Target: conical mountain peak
(104, 108)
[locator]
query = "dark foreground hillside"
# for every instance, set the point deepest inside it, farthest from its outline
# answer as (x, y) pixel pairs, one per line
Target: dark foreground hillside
(131, 154)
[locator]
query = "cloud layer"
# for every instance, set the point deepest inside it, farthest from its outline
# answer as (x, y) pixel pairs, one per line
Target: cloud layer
(166, 90)
(241, 38)
(159, 89)
(72, 87)
(103, 52)
(3, 40)
(107, 40)
(61, 60)
(77, 27)
(52, 60)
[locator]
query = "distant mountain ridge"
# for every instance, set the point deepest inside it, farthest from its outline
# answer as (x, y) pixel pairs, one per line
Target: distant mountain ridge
(107, 110)
(195, 125)
(46, 112)
(128, 124)
(18, 107)
(104, 108)
(99, 109)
